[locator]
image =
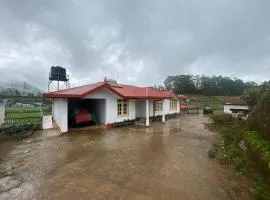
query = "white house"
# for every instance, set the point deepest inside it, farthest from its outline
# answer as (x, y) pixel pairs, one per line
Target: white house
(235, 106)
(112, 103)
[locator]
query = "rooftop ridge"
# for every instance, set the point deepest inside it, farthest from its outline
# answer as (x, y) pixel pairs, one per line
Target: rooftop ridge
(77, 87)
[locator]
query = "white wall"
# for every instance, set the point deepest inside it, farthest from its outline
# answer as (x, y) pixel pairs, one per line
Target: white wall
(228, 107)
(131, 112)
(151, 108)
(60, 113)
(166, 108)
(178, 106)
(140, 107)
(100, 110)
(173, 111)
(111, 106)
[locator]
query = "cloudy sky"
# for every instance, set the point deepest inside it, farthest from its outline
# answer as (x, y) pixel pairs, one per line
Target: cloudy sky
(134, 41)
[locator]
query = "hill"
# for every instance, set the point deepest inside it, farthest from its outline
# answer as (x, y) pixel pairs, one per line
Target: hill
(18, 88)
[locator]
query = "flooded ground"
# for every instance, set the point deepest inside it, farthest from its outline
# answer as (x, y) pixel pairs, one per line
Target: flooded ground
(165, 161)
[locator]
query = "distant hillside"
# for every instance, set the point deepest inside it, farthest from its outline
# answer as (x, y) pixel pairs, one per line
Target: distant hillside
(18, 88)
(216, 101)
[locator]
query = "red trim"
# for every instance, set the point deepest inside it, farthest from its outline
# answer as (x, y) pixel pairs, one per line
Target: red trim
(107, 86)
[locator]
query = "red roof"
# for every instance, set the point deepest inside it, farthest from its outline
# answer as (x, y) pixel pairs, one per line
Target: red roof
(124, 91)
(168, 93)
(183, 107)
(182, 97)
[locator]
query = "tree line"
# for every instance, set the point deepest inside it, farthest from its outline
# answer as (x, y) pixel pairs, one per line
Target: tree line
(206, 85)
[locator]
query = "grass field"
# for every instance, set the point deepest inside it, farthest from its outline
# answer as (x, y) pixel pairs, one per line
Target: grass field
(217, 102)
(24, 115)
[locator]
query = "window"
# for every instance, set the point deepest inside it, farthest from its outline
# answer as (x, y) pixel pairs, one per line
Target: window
(173, 104)
(122, 107)
(158, 106)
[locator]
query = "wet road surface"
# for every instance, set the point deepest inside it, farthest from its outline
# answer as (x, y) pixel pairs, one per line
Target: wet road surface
(164, 161)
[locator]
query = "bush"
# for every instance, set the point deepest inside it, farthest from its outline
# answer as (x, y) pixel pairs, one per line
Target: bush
(260, 116)
(212, 153)
(228, 151)
(259, 151)
(220, 119)
(260, 190)
(17, 129)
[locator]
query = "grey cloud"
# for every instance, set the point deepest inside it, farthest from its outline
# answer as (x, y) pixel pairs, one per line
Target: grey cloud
(98, 38)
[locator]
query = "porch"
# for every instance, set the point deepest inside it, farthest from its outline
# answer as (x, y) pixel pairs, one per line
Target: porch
(147, 109)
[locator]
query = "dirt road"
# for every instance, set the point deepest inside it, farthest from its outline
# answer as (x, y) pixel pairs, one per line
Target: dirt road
(165, 161)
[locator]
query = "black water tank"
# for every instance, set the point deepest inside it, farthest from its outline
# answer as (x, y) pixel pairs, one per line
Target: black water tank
(58, 73)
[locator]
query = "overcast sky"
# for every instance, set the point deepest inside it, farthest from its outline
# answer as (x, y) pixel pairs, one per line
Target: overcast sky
(134, 41)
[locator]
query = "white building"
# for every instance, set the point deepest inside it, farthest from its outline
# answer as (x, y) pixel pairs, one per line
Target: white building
(112, 103)
(236, 106)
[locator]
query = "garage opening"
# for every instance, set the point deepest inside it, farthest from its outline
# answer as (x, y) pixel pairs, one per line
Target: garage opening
(86, 112)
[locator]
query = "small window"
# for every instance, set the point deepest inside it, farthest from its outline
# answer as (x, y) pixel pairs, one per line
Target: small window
(173, 104)
(158, 106)
(122, 107)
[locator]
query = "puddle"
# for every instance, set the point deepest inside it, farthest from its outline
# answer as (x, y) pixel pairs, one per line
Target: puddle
(164, 161)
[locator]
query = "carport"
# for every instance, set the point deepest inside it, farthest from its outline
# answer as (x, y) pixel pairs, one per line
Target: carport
(86, 112)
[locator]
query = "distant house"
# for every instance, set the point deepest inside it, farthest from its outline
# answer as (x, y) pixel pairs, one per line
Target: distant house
(183, 99)
(236, 106)
(112, 102)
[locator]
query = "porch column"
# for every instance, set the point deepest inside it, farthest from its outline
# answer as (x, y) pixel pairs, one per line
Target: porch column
(163, 112)
(147, 112)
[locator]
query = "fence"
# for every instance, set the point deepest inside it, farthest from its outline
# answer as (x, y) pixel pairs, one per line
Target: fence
(19, 116)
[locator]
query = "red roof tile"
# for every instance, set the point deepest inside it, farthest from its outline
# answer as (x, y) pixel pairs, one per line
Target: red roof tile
(168, 93)
(124, 91)
(182, 97)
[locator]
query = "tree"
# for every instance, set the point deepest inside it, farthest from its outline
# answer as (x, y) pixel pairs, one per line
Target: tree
(252, 95)
(169, 82)
(180, 84)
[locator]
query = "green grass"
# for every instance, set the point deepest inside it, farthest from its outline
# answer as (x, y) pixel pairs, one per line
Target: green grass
(24, 115)
(257, 153)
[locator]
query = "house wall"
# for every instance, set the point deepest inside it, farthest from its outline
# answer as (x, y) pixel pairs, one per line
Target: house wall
(100, 109)
(166, 108)
(151, 108)
(60, 114)
(228, 107)
(173, 111)
(140, 107)
(131, 112)
(111, 106)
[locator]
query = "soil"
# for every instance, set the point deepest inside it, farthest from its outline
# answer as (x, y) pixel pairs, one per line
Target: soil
(164, 161)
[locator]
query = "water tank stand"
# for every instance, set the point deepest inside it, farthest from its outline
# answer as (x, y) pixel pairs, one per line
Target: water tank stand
(58, 82)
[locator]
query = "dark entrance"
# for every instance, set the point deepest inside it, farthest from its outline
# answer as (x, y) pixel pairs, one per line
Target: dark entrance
(86, 112)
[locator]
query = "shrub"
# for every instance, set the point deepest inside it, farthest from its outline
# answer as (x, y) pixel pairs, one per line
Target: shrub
(257, 143)
(259, 151)
(17, 129)
(260, 116)
(220, 119)
(212, 152)
(260, 190)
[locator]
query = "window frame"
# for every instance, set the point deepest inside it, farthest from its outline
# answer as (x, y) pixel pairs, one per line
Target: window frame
(158, 106)
(173, 105)
(122, 105)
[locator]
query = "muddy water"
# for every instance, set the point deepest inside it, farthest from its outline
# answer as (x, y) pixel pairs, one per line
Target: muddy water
(161, 162)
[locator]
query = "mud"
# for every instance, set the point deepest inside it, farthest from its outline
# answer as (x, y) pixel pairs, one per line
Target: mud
(164, 161)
